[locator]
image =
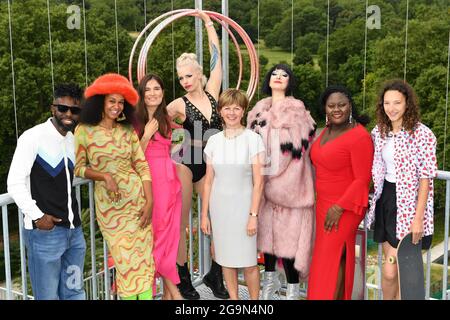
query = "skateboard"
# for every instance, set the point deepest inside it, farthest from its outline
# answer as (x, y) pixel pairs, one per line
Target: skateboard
(410, 269)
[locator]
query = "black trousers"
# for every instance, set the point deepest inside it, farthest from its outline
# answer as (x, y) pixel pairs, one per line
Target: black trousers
(288, 264)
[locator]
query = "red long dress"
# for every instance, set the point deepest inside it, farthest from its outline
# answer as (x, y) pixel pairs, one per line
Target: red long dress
(343, 172)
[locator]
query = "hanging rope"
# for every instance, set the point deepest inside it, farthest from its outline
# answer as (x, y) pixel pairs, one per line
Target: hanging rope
(85, 47)
(328, 41)
(145, 13)
(50, 46)
(117, 36)
(173, 62)
(12, 69)
(406, 38)
(365, 59)
(292, 35)
(258, 46)
(446, 102)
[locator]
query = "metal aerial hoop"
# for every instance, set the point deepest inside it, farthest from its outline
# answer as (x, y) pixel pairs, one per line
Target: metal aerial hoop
(224, 21)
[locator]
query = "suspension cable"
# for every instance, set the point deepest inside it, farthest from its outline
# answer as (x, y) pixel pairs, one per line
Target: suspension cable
(117, 36)
(85, 47)
(50, 47)
(406, 38)
(328, 40)
(173, 61)
(446, 103)
(12, 69)
(365, 59)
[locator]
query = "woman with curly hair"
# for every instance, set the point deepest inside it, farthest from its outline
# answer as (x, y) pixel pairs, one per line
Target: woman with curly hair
(108, 152)
(403, 169)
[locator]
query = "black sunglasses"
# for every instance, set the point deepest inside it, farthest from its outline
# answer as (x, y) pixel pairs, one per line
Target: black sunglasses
(63, 108)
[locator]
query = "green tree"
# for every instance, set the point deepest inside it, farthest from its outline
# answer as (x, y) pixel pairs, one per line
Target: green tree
(33, 84)
(309, 88)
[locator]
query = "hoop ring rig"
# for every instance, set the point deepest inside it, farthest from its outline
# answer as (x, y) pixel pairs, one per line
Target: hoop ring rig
(225, 21)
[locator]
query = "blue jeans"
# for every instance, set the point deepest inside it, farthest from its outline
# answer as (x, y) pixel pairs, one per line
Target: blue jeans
(55, 263)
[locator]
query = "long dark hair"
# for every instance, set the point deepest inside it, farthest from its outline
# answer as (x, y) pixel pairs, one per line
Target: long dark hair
(160, 114)
(412, 114)
(360, 118)
(92, 110)
(291, 84)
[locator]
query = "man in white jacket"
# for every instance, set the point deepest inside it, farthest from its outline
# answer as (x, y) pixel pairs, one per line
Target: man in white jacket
(40, 182)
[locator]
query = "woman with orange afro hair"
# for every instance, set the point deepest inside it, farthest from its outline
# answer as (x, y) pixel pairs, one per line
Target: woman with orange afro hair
(108, 151)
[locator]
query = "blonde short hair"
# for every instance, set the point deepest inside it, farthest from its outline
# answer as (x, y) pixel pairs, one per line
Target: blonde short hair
(191, 59)
(233, 96)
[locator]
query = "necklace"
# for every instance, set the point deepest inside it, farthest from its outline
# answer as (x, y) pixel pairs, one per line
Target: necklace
(241, 130)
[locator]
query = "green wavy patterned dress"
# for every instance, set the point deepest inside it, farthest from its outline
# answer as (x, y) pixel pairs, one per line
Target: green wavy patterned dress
(118, 152)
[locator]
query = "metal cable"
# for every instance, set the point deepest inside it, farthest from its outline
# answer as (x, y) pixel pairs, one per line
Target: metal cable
(50, 46)
(85, 47)
(12, 69)
(258, 47)
(292, 34)
(446, 103)
(365, 59)
(173, 61)
(406, 38)
(328, 40)
(117, 37)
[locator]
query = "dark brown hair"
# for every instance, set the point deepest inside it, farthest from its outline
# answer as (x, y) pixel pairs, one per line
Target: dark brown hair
(411, 116)
(160, 114)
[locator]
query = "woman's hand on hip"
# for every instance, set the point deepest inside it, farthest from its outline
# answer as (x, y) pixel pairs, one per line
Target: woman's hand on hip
(333, 216)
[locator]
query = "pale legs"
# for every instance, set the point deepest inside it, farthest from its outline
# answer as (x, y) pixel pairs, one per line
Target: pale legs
(185, 286)
(185, 176)
(214, 278)
(389, 280)
(251, 277)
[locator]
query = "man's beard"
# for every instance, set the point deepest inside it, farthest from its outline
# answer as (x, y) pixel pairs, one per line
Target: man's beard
(64, 126)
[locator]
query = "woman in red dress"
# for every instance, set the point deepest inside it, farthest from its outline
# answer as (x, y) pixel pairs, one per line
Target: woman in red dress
(342, 157)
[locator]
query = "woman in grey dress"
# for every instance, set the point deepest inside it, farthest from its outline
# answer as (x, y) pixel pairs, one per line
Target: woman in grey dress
(232, 192)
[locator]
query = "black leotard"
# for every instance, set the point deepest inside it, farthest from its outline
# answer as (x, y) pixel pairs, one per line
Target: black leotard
(194, 161)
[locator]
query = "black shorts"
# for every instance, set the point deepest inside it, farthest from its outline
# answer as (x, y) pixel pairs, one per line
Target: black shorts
(386, 218)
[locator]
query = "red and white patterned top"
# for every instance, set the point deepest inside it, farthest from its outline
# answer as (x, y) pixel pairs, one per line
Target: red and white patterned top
(415, 158)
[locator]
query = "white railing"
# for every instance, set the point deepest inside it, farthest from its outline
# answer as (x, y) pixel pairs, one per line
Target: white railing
(373, 290)
(100, 286)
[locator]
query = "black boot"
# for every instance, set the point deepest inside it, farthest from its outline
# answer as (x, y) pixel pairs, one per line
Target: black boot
(185, 287)
(214, 280)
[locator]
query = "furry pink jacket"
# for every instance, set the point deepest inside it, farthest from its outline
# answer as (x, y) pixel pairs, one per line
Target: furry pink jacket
(287, 129)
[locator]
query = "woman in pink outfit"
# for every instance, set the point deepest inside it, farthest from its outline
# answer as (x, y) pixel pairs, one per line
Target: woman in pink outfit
(154, 130)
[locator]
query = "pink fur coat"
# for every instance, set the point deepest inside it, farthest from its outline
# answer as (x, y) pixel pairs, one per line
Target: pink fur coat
(286, 217)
